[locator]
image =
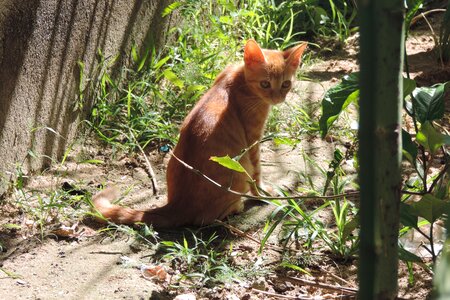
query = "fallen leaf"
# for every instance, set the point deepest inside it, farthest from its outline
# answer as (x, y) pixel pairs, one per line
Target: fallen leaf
(154, 272)
(67, 232)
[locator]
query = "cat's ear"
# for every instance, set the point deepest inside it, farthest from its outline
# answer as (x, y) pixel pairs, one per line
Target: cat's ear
(253, 54)
(293, 56)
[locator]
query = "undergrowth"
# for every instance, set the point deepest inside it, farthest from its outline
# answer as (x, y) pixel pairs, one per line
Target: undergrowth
(143, 106)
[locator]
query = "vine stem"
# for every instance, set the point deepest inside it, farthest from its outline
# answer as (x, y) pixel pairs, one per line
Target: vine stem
(262, 198)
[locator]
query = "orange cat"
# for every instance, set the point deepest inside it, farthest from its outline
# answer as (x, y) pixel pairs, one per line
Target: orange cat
(228, 118)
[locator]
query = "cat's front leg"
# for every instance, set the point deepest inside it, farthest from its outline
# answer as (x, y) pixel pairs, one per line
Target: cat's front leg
(255, 159)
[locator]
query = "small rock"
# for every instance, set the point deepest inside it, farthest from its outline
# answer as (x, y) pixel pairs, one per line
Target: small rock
(246, 297)
(259, 284)
(21, 282)
(280, 288)
(185, 297)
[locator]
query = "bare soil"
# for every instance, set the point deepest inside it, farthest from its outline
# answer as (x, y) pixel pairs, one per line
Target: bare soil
(79, 261)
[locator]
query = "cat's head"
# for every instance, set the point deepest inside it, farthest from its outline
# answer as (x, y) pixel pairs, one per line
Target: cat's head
(268, 73)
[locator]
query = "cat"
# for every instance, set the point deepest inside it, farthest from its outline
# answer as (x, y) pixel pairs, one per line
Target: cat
(228, 118)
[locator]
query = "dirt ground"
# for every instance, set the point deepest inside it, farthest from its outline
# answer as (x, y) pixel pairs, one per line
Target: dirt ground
(88, 264)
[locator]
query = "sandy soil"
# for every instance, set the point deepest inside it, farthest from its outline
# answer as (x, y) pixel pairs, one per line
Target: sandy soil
(88, 264)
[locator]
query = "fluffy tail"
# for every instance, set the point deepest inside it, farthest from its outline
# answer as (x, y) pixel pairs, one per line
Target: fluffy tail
(161, 217)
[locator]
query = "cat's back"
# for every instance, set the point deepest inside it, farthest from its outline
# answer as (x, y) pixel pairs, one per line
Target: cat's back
(214, 107)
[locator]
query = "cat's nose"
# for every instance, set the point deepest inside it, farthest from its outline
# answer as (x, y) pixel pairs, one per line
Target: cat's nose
(277, 100)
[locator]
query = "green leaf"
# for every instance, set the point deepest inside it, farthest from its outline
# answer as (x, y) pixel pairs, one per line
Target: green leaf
(142, 61)
(173, 78)
(134, 54)
(430, 208)
(408, 86)
(228, 163)
(405, 255)
(92, 161)
(409, 147)
(350, 226)
(11, 226)
(429, 102)
(226, 20)
(160, 63)
(337, 99)
(195, 88)
(430, 138)
(169, 9)
(294, 267)
(408, 216)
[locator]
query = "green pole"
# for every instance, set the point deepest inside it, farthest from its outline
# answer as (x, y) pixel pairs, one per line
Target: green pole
(381, 57)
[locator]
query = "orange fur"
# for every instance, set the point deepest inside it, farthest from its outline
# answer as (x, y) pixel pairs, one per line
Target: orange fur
(228, 118)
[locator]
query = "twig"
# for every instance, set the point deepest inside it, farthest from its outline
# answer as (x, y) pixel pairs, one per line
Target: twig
(435, 181)
(413, 193)
(335, 276)
(106, 252)
(237, 231)
(422, 15)
(281, 296)
(294, 197)
(347, 290)
(149, 166)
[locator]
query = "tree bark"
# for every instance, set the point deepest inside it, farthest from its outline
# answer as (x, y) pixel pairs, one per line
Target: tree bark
(381, 60)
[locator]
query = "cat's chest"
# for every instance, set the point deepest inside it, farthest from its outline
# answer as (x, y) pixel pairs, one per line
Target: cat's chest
(254, 127)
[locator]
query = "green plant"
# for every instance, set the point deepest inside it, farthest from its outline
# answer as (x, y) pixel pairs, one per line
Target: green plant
(133, 102)
(289, 128)
(199, 261)
(301, 224)
(425, 106)
(43, 209)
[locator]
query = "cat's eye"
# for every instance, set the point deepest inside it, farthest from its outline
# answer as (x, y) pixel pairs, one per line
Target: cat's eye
(265, 84)
(286, 84)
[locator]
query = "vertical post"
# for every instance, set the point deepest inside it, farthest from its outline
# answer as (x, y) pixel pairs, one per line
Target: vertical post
(381, 57)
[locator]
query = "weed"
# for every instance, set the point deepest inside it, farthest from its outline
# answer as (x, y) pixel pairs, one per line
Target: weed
(200, 262)
(44, 209)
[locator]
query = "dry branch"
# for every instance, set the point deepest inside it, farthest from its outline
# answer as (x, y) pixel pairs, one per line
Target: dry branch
(149, 166)
(337, 288)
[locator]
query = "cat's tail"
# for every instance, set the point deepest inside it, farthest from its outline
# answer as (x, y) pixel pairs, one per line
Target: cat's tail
(161, 217)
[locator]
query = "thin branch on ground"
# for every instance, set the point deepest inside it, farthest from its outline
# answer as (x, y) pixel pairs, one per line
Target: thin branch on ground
(335, 276)
(338, 288)
(283, 296)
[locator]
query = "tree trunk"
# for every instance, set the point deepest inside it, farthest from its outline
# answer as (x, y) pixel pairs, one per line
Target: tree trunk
(381, 46)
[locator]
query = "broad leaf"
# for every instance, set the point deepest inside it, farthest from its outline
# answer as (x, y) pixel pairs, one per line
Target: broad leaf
(409, 85)
(228, 163)
(350, 227)
(429, 102)
(337, 99)
(430, 138)
(430, 208)
(409, 147)
(405, 255)
(408, 216)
